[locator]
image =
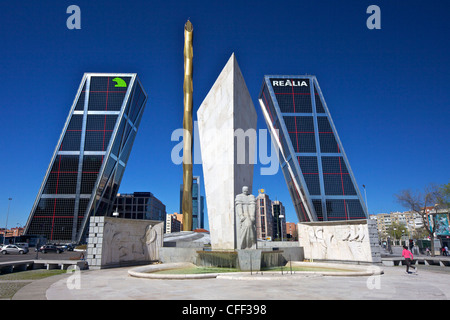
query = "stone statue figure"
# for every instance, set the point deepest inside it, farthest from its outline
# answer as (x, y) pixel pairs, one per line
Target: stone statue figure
(245, 205)
(151, 245)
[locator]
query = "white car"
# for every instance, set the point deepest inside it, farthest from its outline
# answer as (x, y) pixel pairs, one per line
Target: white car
(12, 248)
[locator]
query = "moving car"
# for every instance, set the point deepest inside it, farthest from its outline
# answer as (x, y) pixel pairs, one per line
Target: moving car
(12, 248)
(50, 248)
(66, 247)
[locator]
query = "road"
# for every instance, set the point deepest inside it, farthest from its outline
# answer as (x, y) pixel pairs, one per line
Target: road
(31, 255)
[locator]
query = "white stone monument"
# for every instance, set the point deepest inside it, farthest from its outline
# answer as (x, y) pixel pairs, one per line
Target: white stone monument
(352, 240)
(225, 116)
(115, 242)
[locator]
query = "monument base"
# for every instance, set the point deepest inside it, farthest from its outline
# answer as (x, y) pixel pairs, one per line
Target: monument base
(221, 259)
(269, 254)
(249, 259)
(244, 260)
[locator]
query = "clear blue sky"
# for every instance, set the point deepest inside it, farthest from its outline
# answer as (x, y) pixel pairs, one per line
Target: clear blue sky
(387, 90)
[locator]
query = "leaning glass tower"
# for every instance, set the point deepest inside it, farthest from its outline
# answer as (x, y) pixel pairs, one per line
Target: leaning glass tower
(88, 163)
(319, 178)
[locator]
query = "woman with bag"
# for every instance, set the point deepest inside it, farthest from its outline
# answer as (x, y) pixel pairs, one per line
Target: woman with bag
(408, 259)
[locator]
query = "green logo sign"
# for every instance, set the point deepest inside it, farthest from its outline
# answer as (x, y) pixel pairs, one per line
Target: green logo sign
(119, 83)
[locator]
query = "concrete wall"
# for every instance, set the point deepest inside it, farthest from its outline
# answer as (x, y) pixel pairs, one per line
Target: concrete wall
(114, 242)
(353, 241)
(177, 254)
(291, 250)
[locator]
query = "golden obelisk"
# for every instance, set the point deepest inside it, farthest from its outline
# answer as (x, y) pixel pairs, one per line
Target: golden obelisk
(187, 126)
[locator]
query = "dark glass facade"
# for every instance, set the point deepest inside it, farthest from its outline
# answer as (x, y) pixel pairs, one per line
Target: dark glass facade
(90, 158)
(279, 221)
(313, 161)
(140, 205)
(198, 204)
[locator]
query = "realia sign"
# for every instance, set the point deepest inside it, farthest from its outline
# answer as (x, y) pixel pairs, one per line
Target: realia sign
(289, 83)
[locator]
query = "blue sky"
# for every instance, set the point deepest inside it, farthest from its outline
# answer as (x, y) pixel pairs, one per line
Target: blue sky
(387, 90)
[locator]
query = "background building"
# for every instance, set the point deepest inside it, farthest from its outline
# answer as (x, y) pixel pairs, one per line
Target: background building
(90, 157)
(264, 217)
(411, 221)
(13, 232)
(174, 222)
(316, 169)
(140, 205)
(412, 224)
(291, 231)
(198, 220)
(279, 220)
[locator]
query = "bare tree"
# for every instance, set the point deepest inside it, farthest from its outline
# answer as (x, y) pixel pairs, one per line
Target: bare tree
(419, 202)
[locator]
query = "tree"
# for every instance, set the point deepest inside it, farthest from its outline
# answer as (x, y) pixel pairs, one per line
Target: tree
(397, 230)
(420, 233)
(445, 191)
(419, 201)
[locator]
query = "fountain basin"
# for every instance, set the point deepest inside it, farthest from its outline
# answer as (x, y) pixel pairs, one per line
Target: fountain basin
(149, 272)
(245, 260)
(315, 269)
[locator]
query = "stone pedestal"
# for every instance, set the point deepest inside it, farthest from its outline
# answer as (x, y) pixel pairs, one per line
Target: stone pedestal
(226, 112)
(249, 259)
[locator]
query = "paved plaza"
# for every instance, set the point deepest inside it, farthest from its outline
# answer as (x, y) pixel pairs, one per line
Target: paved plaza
(431, 282)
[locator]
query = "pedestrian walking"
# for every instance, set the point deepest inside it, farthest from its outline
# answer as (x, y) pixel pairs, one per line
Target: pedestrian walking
(408, 259)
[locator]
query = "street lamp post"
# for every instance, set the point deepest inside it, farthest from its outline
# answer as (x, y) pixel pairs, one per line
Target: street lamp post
(7, 215)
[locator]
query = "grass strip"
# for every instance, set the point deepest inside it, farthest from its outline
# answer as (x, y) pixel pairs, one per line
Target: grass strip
(9, 289)
(31, 274)
(197, 270)
(201, 270)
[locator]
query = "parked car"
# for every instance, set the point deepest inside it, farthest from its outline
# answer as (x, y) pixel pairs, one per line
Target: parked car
(12, 248)
(22, 244)
(50, 248)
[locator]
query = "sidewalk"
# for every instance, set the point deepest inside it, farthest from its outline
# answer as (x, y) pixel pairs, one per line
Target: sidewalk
(116, 284)
(37, 289)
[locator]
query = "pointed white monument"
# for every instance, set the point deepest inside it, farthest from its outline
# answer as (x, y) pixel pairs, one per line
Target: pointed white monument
(227, 132)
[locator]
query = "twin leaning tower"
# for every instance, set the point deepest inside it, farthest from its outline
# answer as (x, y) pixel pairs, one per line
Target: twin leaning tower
(89, 160)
